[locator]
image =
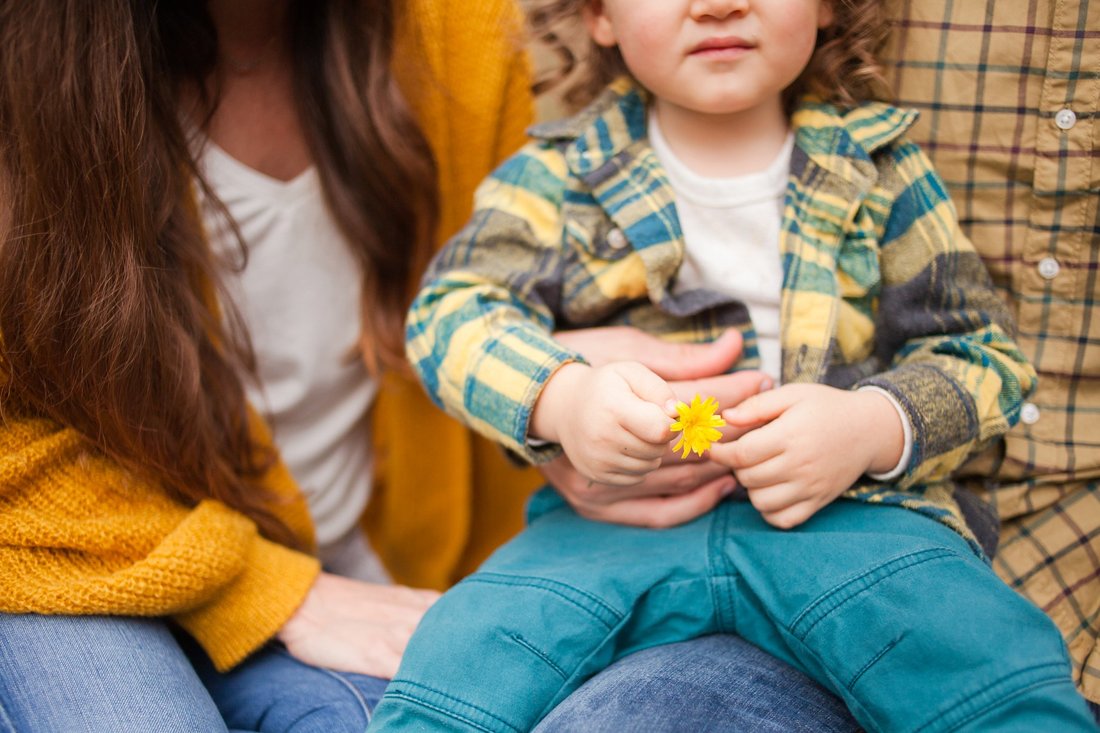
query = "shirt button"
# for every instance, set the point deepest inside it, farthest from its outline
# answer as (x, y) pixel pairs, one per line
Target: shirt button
(1065, 118)
(1029, 413)
(1049, 268)
(616, 239)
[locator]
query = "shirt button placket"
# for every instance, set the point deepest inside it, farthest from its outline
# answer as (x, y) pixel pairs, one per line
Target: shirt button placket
(1065, 119)
(1049, 268)
(616, 239)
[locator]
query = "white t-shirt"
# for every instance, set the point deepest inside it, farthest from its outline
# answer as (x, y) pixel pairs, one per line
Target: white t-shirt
(299, 296)
(731, 236)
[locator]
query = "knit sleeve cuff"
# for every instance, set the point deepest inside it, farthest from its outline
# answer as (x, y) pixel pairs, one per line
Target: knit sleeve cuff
(254, 605)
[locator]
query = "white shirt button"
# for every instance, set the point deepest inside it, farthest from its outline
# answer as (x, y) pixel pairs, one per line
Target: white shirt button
(1049, 268)
(616, 239)
(1029, 413)
(1065, 118)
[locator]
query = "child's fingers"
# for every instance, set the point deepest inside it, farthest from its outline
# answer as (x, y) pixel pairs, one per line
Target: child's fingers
(619, 443)
(751, 449)
(645, 384)
(634, 467)
(771, 472)
(774, 498)
(761, 408)
(624, 471)
(647, 423)
(793, 515)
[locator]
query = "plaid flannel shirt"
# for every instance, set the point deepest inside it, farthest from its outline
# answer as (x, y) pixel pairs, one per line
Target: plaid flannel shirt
(1010, 99)
(880, 288)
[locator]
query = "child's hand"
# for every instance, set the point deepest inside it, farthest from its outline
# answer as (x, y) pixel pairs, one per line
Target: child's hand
(807, 444)
(612, 421)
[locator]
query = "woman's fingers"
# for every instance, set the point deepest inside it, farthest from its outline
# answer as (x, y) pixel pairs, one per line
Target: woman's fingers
(601, 346)
(663, 511)
(674, 477)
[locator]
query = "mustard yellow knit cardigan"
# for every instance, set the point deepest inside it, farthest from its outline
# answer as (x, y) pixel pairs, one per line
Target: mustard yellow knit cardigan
(78, 535)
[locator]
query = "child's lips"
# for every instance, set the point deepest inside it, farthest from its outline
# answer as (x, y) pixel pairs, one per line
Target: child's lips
(723, 47)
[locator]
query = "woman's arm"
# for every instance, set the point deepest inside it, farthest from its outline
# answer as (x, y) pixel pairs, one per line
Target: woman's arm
(82, 536)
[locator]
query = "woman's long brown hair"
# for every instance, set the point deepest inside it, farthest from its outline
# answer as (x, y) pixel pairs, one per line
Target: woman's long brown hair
(107, 315)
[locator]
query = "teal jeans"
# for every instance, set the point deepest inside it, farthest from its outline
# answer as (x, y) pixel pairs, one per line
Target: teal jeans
(887, 608)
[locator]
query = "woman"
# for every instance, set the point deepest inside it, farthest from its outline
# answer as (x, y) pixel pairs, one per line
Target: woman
(170, 172)
(153, 542)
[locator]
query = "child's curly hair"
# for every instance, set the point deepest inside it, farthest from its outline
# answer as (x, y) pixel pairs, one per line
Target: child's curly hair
(844, 68)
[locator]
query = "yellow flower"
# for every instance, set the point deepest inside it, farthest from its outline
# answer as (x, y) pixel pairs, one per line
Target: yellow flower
(698, 425)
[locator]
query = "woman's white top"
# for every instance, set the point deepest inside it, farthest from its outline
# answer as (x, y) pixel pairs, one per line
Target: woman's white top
(299, 297)
(731, 236)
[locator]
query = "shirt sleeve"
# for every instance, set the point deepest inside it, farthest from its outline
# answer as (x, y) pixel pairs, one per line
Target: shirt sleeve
(479, 332)
(947, 337)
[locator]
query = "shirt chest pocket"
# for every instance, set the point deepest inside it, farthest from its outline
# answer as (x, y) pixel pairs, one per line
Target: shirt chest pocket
(603, 271)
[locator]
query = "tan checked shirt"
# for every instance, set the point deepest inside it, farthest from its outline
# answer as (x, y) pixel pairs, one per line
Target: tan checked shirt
(1009, 95)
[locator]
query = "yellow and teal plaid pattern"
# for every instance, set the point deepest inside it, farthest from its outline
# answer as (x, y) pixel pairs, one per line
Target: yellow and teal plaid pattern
(1009, 94)
(579, 229)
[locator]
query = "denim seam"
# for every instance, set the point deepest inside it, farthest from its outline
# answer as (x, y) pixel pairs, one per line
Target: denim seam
(834, 683)
(442, 711)
(505, 578)
(6, 719)
(871, 662)
(595, 649)
(334, 675)
(998, 698)
(540, 654)
(555, 588)
(449, 698)
(354, 691)
(888, 569)
(721, 596)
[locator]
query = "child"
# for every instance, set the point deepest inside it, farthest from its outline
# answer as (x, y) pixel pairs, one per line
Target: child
(703, 191)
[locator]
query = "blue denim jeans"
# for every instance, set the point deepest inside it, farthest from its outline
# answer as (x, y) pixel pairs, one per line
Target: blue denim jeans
(886, 608)
(89, 674)
(719, 684)
(107, 674)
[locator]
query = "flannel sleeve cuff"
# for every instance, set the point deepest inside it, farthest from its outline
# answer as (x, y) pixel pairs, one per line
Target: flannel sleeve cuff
(503, 387)
(941, 414)
(907, 429)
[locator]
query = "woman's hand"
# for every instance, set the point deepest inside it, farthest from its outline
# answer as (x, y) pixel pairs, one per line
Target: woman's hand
(671, 361)
(352, 626)
(677, 492)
